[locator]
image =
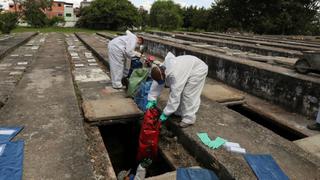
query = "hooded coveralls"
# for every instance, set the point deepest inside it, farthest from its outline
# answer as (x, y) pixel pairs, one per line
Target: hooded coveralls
(318, 117)
(121, 50)
(185, 75)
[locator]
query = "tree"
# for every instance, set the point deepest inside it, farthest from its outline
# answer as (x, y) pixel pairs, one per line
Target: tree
(143, 17)
(264, 16)
(200, 19)
(8, 21)
(109, 14)
(166, 15)
(33, 11)
(188, 14)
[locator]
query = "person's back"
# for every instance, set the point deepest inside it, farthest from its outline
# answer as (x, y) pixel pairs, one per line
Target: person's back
(182, 67)
(119, 43)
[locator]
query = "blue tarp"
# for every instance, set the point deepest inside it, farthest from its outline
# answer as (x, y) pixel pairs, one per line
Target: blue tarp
(141, 98)
(195, 173)
(11, 160)
(265, 167)
(6, 135)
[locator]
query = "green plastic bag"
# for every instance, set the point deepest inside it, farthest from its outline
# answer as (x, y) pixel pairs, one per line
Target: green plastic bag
(136, 78)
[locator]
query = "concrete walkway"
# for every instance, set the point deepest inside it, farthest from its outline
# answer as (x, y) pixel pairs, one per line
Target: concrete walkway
(45, 103)
(13, 66)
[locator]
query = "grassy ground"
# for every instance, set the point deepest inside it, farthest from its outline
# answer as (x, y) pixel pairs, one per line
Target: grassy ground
(57, 29)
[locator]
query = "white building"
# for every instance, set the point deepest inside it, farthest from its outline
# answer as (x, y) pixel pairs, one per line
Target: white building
(85, 3)
(69, 16)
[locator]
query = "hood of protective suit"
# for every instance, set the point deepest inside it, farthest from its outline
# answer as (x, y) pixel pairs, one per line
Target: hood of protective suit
(169, 56)
(169, 63)
(130, 34)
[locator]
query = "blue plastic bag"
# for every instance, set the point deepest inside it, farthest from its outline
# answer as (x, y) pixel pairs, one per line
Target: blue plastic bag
(195, 173)
(141, 98)
(8, 133)
(265, 167)
(11, 160)
(135, 64)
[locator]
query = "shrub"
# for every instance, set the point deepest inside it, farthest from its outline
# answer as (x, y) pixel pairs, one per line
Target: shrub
(8, 21)
(55, 21)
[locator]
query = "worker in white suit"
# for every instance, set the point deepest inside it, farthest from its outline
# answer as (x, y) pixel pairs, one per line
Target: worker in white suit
(121, 50)
(185, 76)
(316, 125)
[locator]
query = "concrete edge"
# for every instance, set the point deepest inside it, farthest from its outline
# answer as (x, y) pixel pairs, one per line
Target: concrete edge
(9, 50)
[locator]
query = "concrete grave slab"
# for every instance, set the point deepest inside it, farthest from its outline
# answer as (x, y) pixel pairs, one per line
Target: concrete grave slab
(91, 60)
(22, 63)
(5, 65)
(88, 55)
(91, 75)
(221, 94)
(74, 54)
(28, 55)
(13, 73)
(310, 144)
(35, 47)
(79, 65)
(19, 68)
(111, 109)
(93, 64)
(14, 55)
(96, 91)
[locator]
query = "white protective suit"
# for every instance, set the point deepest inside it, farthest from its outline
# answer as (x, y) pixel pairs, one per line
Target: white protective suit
(185, 75)
(141, 173)
(318, 117)
(121, 50)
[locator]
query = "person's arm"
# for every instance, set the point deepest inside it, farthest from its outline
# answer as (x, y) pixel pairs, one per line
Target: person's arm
(176, 89)
(155, 91)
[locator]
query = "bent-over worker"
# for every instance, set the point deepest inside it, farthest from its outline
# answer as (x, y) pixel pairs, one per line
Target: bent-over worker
(316, 125)
(185, 76)
(121, 50)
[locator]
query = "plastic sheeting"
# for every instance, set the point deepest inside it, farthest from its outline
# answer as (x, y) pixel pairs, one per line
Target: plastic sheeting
(136, 78)
(8, 133)
(11, 161)
(265, 167)
(195, 173)
(135, 64)
(141, 98)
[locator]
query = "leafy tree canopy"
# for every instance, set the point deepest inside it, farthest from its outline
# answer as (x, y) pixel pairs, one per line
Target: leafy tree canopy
(109, 14)
(165, 14)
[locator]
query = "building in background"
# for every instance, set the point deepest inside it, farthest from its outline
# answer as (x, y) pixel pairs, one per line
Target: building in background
(15, 7)
(85, 3)
(69, 15)
(58, 9)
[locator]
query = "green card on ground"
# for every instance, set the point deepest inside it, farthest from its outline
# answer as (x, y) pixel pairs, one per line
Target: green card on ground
(218, 142)
(204, 138)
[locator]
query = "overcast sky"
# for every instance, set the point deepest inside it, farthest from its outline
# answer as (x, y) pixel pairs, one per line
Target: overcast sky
(146, 3)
